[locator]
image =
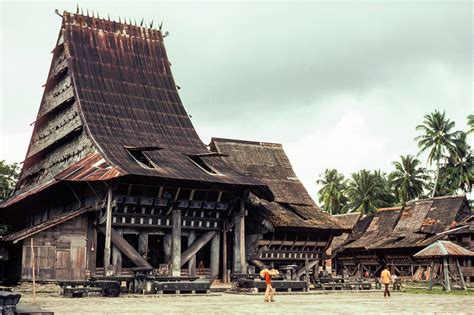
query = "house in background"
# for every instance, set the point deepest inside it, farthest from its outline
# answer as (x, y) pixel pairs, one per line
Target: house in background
(392, 236)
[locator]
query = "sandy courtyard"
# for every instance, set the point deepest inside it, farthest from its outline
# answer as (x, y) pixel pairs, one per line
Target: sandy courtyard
(335, 303)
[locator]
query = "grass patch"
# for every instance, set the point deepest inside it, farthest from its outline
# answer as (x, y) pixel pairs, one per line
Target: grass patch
(438, 290)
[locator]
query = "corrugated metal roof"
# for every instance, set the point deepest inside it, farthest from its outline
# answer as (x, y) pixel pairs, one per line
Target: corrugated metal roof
(443, 249)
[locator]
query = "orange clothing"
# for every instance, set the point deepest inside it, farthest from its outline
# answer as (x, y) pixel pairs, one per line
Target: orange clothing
(386, 277)
(268, 278)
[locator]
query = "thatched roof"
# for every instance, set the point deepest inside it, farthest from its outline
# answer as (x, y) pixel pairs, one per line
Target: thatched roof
(346, 222)
(418, 224)
(443, 249)
(268, 163)
(125, 105)
(382, 223)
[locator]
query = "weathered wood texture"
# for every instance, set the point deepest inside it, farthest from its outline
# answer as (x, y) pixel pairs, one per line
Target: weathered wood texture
(202, 240)
(192, 260)
(126, 248)
(215, 255)
(60, 251)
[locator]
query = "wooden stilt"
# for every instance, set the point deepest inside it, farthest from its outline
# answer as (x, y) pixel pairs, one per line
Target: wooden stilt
(463, 283)
(447, 285)
(143, 244)
(33, 267)
(202, 240)
(224, 255)
(215, 255)
(108, 231)
(239, 240)
(167, 248)
(192, 260)
(430, 286)
(176, 244)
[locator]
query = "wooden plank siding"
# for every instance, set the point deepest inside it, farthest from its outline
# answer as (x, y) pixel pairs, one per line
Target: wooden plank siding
(61, 252)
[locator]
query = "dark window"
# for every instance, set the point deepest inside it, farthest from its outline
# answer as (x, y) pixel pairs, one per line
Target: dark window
(141, 158)
(199, 162)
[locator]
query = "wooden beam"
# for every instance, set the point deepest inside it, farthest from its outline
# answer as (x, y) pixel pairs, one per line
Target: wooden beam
(447, 285)
(176, 243)
(108, 230)
(463, 283)
(143, 244)
(167, 248)
(224, 254)
(239, 240)
(126, 248)
(215, 256)
(196, 246)
(302, 270)
(192, 260)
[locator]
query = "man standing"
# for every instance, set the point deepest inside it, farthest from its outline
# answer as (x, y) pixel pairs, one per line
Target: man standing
(386, 278)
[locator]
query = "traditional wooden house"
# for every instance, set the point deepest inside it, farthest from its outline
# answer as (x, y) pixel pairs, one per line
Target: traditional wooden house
(291, 230)
(115, 175)
(394, 235)
(463, 235)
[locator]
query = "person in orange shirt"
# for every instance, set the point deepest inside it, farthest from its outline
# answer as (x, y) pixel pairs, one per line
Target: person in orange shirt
(267, 275)
(386, 278)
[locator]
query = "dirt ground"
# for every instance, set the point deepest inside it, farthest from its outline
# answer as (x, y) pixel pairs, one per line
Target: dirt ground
(224, 303)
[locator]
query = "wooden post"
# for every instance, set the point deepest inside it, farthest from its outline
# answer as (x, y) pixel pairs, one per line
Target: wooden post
(430, 286)
(239, 240)
(108, 231)
(215, 249)
(306, 270)
(192, 260)
(33, 274)
(463, 283)
(176, 244)
(167, 248)
(191, 251)
(143, 244)
(224, 254)
(91, 246)
(117, 259)
(446, 274)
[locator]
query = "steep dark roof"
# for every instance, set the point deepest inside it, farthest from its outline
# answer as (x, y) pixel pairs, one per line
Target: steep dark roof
(129, 100)
(267, 162)
(346, 222)
(382, 223)
(110, 96)
(419, 223)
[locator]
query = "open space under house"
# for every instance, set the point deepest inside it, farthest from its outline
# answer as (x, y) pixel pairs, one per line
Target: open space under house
(116, 176)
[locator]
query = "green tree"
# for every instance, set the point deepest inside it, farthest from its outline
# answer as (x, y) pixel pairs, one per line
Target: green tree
(463, 164)
(365, 192)
(409, 179)
(8, 177)
(438, 138)
(470, 123)
(331, 194)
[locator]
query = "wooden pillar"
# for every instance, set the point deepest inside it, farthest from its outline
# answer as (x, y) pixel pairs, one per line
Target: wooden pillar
(239, 240)
(167, 248)
(91, 246)
(224, 254)
(117, 258)
(461, 276)
(430, 286)
(447, 285)
(108, 231)
(192, 260)
(176, 244)
(143, 244)
(215, 255)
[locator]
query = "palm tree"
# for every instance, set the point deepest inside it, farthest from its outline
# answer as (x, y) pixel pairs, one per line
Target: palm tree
(364, 192)
(438, 138)
(463, 164)
(470, 123)
(331, 195)
(408, 179)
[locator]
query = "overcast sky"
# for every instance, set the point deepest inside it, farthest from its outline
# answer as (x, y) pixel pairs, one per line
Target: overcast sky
(341, 84)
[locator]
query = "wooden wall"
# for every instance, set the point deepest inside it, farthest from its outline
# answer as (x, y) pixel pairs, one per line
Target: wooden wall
(60, 252)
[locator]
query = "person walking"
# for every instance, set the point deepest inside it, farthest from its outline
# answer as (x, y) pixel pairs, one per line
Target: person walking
(269, 291)
(386, 278)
